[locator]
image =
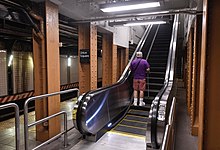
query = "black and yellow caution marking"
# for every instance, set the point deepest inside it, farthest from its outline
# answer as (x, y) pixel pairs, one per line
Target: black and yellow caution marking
(134, 124)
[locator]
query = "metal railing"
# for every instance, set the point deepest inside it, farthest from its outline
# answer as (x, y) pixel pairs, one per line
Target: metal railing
(26, 125)
(17, 122)
(168, 139)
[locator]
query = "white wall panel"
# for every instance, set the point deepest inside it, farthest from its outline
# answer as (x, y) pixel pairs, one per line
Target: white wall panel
(121, 36)
(29, 72)
(74, 71)
(63, 69)
(136, 32)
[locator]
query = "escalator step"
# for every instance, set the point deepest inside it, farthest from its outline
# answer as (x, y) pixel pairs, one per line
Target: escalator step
(130, 130)
(133, 124)
(155, 86)
(138, 112)
(154, 91)
(136, 118)
(161, 73)
(149, 99)
(158, 64)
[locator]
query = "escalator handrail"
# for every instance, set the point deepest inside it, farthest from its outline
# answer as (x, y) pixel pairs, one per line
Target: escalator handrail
(168, 134)
(167, 83)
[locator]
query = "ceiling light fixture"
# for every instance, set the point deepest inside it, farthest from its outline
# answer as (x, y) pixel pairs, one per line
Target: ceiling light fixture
(144, 23)
(125, 7)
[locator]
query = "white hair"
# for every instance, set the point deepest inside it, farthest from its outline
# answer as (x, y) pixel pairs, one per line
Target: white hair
(139, 54)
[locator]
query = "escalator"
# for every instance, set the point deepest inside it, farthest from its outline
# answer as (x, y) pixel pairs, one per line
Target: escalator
(100, 110)
(110, 108)
(158, 62)
(136, 119)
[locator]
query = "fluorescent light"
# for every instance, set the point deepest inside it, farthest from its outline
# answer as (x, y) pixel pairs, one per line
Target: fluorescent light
(144, 23)
(10, 60)
(69, 61)
(131, 7)
(153, 13)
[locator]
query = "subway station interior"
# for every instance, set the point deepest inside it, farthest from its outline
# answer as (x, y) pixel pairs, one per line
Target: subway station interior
(66, 81)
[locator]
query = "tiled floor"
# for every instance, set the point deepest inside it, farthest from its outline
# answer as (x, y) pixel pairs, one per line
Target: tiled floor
(7, 129)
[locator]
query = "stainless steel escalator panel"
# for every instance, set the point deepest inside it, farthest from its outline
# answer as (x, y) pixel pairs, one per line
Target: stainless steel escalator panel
(105, 106)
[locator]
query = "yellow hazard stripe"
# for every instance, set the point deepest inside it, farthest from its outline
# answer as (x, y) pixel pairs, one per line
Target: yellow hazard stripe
(134, 121)
(132, 127)
(127, 134)
(136, 116)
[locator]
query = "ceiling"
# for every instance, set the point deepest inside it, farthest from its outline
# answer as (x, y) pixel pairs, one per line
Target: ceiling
(83, 10)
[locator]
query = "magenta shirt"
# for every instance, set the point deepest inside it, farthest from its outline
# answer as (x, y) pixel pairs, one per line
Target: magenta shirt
(140, 72)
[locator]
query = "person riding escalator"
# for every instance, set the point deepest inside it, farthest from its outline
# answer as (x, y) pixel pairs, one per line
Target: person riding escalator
(138, 67)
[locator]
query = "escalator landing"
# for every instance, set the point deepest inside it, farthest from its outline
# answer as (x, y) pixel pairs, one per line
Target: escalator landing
(134, 123)
(112, 141)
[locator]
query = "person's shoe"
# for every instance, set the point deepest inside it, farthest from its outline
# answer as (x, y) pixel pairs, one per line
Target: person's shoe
(135, 103)
(142, 103)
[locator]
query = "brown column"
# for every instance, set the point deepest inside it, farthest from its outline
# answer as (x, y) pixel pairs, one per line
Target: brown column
(189, 70)
(40, 85)
(209, 119)
(53, 65)
(93, 57)
(122, 60)
(84, 69)
(195, 76)
(88, 71)
(109, 60)
(126, 56)
(114, 64)
(47, 73)
(119, 56)
(106, 53)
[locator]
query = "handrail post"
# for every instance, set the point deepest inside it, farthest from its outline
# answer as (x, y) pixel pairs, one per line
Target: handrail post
(17, 126)
(26, 125)
(65, 130)
(17, 122)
